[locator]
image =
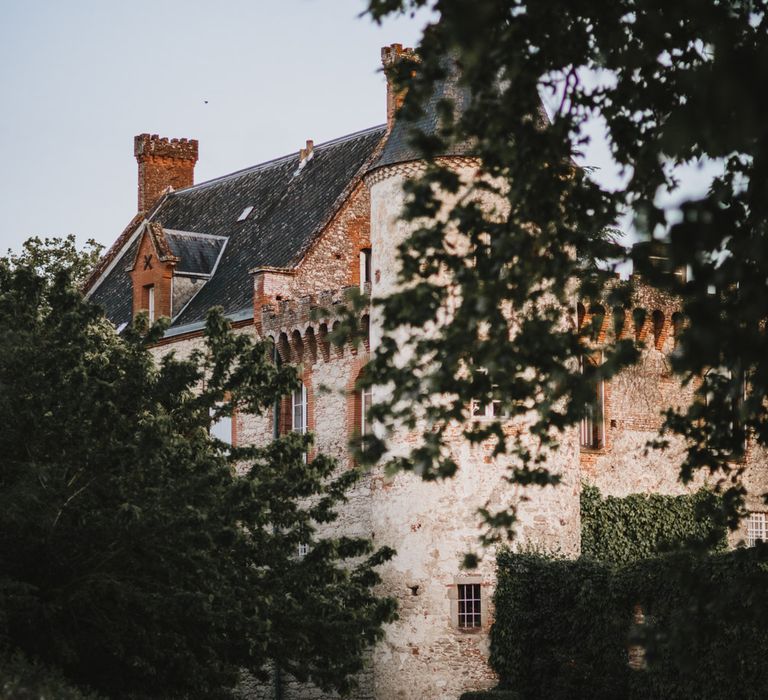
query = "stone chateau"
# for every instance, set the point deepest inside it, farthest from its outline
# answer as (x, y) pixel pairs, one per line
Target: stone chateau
(272, 242)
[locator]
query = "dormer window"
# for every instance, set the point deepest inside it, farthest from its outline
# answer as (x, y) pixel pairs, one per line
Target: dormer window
(149, 291)
(245, 213)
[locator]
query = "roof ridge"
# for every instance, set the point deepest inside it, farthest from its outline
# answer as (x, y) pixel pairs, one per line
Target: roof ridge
(192, 234)
(273, 161)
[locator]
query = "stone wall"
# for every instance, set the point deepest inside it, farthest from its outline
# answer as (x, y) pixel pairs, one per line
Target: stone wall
(432, 525)
(634, 402)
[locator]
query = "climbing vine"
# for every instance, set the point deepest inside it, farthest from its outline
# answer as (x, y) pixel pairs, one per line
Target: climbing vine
(641, 525)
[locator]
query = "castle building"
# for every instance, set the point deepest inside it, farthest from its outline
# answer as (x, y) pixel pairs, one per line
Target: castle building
(275, 241)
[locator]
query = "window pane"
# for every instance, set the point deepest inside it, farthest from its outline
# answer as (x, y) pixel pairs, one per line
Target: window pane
(222, 429)
(366, 399)
(299, 404)
(756, 528)
(469, 605)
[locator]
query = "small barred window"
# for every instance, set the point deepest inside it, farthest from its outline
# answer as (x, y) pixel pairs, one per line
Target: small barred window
(756, 529)
(469, 605)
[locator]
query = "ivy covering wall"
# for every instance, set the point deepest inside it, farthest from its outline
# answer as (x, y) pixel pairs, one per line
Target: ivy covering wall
(564, 628)
(642, 525)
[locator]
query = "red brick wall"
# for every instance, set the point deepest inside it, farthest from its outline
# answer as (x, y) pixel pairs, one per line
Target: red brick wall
(333, 261)
(151, 271)
(163, 163)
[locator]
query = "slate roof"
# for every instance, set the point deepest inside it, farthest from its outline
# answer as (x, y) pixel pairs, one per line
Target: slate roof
(398, 148)
(197, 253)
(290, 209)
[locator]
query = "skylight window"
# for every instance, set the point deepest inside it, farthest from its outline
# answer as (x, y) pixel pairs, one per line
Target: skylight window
(245, 214)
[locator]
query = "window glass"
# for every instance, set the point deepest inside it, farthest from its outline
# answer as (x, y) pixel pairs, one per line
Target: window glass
(222, 429)
(469, 605)
(299, 404)
(366, 399)
(756, 529)
(592, 428)
(365, 266)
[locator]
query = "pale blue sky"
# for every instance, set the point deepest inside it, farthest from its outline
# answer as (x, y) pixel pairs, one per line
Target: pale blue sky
(80, 78)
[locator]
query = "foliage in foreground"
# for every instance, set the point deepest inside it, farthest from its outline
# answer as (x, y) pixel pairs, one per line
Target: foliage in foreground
(672, 84)
(563, 628)
(21, 679)
(133, 557)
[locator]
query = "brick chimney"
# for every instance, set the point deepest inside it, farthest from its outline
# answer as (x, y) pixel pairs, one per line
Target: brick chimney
(163, 163)
(390, 57)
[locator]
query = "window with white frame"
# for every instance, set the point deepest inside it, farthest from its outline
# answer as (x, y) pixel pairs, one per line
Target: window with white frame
(366, 400)
(592, 427)
(299, 410)
(151, 302)
(303, 549)
(756, 528)
(469, 602)
(487, 409)
(482, 409)
(221, 428)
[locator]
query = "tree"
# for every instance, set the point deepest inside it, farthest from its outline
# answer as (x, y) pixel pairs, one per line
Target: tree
(141, 556)
(51, 255)
(674, 84)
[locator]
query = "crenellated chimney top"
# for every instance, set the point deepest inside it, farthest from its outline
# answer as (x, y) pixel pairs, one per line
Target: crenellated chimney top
(163, 163)
(390, 57)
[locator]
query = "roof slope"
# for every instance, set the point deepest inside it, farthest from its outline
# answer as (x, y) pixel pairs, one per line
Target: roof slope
(399, 148)
(290, 209)
(197, 253)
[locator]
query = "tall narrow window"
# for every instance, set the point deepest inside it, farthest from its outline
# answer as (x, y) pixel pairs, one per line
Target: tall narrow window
(151, 302)
(726, 392)
(592, 428)
(222, 428)
(299, 412)
(299, 404)
(756, 529)
(487, 408)
(469, 605)
(366, 400)
(365, 267)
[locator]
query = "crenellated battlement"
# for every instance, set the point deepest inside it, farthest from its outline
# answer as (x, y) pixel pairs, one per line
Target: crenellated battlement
(391, 54)
(301, 327)
(154, 146)
(652, 317)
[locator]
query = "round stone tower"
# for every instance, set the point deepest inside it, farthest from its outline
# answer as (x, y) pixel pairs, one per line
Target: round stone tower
(439, 646)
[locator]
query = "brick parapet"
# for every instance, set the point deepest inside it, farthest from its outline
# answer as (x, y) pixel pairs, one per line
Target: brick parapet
(300, 328)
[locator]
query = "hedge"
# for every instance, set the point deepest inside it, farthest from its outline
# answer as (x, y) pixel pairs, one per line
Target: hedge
(563, 627)
(21, 679)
